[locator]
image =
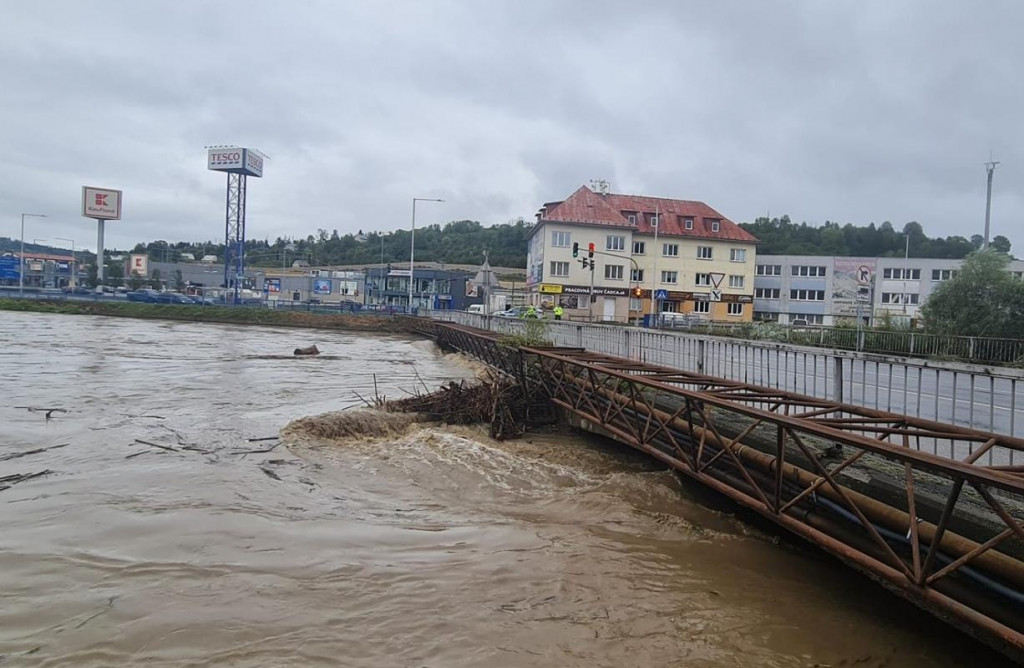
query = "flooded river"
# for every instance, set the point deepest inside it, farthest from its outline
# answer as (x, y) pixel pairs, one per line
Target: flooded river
(423, 547)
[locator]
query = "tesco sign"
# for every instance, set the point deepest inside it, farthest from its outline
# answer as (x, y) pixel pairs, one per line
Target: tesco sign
(236, 160)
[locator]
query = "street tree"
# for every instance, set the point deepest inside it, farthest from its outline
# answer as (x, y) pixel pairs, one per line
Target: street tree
(983, 299)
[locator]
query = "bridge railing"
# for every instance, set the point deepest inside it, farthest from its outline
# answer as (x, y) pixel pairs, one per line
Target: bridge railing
(989, 399)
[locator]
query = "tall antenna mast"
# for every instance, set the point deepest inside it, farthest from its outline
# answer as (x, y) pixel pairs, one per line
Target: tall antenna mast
(990, 166)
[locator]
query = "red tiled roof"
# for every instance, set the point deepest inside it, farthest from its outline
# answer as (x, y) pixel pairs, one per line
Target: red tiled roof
(587, 207)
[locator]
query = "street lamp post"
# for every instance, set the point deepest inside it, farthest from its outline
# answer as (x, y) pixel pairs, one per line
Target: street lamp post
(412, 247)
(21, 268)
(906, 258)
(72, 282)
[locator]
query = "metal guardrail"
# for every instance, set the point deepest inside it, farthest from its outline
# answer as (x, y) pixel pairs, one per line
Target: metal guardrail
(978, 398)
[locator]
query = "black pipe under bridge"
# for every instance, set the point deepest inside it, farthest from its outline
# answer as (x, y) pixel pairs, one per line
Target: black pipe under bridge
(845, 478)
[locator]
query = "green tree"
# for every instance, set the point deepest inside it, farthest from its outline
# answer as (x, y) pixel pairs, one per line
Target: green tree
(155, 282)
(179, 281)
(92, 276)
(982, 300)
(1000, 244)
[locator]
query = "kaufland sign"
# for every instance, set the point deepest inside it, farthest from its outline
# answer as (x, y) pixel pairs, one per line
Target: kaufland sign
(101, 203)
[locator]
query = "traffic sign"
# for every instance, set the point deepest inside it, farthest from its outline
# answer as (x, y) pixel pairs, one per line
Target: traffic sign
(863, 274)
(661, 294)
(716, 280)
(715, 296)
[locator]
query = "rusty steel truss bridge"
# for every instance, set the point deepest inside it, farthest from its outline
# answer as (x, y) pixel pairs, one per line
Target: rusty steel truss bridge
(944, 532)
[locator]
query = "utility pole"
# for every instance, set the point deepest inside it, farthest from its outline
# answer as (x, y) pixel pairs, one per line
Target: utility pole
(990, 166)
(654, 269)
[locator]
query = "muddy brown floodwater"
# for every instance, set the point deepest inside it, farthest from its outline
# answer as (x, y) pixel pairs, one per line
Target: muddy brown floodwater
(422, 547)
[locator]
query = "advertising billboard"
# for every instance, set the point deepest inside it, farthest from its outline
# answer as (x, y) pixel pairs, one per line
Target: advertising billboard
(852, 282)
(272, 286)
(138, 265)
(322, 286)
(9, 267)
(101, 203)
(235, 160)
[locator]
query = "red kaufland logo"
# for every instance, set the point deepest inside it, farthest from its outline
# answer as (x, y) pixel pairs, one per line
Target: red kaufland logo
(101, 199)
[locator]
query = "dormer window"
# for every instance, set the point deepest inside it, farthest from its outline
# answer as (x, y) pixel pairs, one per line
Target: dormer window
(631, 218)
(654, 220)
(688, 223)
(715, 225)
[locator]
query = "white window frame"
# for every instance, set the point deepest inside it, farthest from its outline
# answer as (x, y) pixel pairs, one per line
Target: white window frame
(559, 265)
(688, 223)
(705, 252)
(767, 293)
(636, 275)
(735, 309)
(665, 275)
(768, 270)
(737, 255)
(702, 280)
(665, 248)
(556, 235)
(615, 242)
(631, 218)
(642, 246)
(736, 281)
(702, 307)
(716, 225)
(613, 272)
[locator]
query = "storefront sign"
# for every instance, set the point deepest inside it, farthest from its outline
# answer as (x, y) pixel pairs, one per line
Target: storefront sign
(598, 291)
(551, 289)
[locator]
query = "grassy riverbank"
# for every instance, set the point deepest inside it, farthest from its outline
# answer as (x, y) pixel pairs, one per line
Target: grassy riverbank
(221, 314)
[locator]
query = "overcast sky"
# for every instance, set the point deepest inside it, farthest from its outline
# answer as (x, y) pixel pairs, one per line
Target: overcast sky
(847, 111)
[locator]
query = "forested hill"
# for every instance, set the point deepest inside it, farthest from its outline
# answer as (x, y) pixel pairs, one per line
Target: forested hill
(781, 236)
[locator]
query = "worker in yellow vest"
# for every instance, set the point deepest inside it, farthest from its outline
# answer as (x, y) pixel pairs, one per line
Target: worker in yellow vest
(558, 312)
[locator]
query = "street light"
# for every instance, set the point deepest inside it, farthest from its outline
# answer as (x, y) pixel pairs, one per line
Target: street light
(412, 248)
(21, 269)
(73, 282)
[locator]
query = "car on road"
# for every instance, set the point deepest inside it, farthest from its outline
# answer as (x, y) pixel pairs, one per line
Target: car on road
(514, 312)
(144, 295)
(172, 298)
(76, 290)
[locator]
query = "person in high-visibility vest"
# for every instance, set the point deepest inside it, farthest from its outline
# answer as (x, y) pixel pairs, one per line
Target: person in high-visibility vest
(531, 312)
(558, 312)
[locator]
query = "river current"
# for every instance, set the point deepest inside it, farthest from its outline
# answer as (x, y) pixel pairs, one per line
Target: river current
(415, 546)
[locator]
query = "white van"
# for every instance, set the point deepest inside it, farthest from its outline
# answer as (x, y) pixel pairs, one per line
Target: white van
(475, 308)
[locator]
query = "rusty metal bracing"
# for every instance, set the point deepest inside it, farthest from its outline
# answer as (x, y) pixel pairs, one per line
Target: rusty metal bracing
(944, 532)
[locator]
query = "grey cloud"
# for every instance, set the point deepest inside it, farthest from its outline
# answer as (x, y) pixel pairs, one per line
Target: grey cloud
(850, 111)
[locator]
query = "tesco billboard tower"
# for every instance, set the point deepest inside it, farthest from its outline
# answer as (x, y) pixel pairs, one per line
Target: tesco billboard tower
(239, 164)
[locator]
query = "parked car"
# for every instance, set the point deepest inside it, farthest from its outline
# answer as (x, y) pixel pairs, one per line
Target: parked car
(172, 298)
(514, 312)
(77, 290)
(144, 295)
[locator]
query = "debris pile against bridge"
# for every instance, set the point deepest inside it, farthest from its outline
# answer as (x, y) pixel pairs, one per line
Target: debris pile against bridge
(933, 511)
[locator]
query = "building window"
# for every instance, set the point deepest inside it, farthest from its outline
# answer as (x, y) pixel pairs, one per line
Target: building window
(631, 217)
(702, 279)
(737, 254)
(615, 243)
(654, 221)
(636, 304)
(897, 297)
(703, 252)
(560, 239)
(670, 277)
(715, 226)
(735, 281)
(636, 275)
(670, 307)
(702, 307)
(805, 270)
(902, 274)
(807, 295)
(766, 293)
(613, 272)
(670, 250)
(766, 316)
(639, 247)
(735, 308)
(688, 223)
(769, 270)
(944, 274)
(559, 269)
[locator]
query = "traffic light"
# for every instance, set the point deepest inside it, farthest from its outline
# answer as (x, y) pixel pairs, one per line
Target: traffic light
(590, 251)
(585, 262)
(575, 249)
(638, 292)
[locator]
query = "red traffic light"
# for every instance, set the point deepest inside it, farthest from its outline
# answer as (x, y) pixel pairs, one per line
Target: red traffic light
(590, 247)
(638, 292)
